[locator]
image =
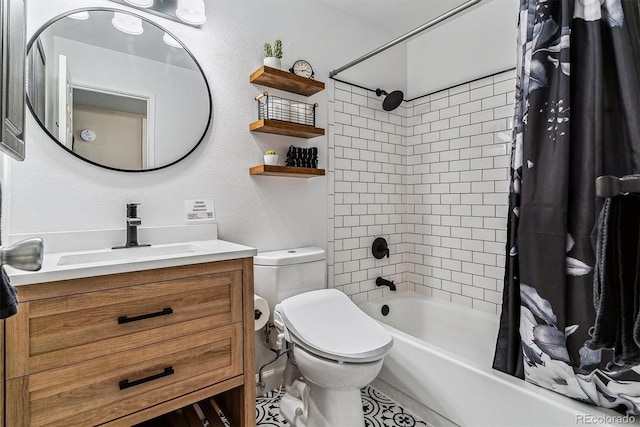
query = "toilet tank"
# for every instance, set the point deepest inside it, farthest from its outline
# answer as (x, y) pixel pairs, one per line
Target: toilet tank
(280, 274)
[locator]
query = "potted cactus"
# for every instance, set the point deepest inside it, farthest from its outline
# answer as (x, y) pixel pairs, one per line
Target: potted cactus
(273, 56)
(270, 158)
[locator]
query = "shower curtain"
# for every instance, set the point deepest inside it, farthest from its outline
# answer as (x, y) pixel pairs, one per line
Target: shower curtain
(577, 118)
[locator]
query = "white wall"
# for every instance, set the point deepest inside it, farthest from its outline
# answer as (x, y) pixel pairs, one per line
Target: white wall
(53, 191)
(474, 44)
(386, 70)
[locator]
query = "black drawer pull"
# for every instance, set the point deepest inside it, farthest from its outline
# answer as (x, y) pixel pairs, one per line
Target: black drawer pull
(126, 384)
(163, 312)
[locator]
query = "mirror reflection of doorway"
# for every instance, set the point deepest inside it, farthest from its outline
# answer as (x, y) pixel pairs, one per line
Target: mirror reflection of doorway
(65, 103)
(101, 58)
(122, 117)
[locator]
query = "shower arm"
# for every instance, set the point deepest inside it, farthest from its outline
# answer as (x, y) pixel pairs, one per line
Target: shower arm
(406, 36)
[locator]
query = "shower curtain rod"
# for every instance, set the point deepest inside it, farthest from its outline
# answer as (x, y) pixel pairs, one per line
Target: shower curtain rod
(406, 36)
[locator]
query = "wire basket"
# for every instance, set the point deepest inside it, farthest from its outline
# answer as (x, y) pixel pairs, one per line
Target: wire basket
(287, 110)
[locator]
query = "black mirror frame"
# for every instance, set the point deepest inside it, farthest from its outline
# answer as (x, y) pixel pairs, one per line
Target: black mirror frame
(35, 37)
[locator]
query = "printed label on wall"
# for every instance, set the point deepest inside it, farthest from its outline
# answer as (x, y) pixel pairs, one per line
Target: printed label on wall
(198, 211)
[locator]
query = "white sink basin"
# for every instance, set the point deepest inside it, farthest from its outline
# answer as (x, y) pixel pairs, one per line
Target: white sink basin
(58, 266)
(126, 254)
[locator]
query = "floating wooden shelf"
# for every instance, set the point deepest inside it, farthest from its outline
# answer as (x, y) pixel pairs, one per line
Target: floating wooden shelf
(279, 127)
(285, 80)
(285, 171)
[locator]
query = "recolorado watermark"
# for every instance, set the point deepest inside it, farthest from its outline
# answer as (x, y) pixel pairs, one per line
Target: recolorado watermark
(604, 419)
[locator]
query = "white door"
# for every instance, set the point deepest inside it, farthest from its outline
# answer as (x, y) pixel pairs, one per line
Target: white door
(147, 155)
(65, 104)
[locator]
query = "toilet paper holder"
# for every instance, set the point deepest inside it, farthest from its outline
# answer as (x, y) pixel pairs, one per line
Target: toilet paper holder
(261, 312)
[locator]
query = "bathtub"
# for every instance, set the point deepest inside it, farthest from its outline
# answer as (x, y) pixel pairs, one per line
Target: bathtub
(442, 356)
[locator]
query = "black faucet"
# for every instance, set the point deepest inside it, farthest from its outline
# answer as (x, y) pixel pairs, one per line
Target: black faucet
(384, 282)
(132, 227)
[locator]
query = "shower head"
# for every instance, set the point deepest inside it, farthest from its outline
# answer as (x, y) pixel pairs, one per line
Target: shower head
(392, 100)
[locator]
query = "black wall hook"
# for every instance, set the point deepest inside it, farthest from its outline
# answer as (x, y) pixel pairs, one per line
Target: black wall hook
(380, 249)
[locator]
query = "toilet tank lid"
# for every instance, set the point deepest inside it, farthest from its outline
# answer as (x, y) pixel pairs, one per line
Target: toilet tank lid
(289, 256)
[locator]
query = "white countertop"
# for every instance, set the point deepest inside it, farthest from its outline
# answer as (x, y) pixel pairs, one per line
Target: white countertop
(200, 251)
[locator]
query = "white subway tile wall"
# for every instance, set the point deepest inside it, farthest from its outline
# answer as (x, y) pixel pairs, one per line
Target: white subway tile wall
(367, 191)
(432, 178)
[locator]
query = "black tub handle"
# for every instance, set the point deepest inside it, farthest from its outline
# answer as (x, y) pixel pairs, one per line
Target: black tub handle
(126, 384)
(380, 249)
(163, 312)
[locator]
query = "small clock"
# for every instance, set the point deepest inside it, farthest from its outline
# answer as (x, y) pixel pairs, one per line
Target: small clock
(302, 68)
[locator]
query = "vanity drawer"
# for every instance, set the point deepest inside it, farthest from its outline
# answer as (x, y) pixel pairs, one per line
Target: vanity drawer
(74, 328)
(106, 388)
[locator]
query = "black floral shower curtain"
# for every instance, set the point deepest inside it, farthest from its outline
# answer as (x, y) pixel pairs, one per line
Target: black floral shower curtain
(577, 118)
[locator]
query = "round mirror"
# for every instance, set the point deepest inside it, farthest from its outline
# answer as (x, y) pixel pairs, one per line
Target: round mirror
(116, 90)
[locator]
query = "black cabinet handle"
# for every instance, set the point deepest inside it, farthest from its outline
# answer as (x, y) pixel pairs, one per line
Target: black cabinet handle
(126, 384)
(163, 312)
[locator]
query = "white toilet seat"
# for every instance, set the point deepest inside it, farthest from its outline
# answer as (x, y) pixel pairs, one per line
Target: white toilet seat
(328, 324)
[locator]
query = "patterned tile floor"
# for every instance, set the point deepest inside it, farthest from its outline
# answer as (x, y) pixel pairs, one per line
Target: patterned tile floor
(379, 411)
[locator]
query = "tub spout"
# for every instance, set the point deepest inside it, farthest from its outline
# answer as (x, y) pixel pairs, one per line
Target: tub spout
(384, 282)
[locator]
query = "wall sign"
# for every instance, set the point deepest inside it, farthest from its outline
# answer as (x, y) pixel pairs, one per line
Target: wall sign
(198, 211)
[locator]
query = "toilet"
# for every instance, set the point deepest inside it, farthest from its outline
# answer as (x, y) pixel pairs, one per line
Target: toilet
(336, 346)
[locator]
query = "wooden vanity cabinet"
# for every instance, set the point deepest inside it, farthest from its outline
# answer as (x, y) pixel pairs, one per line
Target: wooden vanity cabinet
(120, 349)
